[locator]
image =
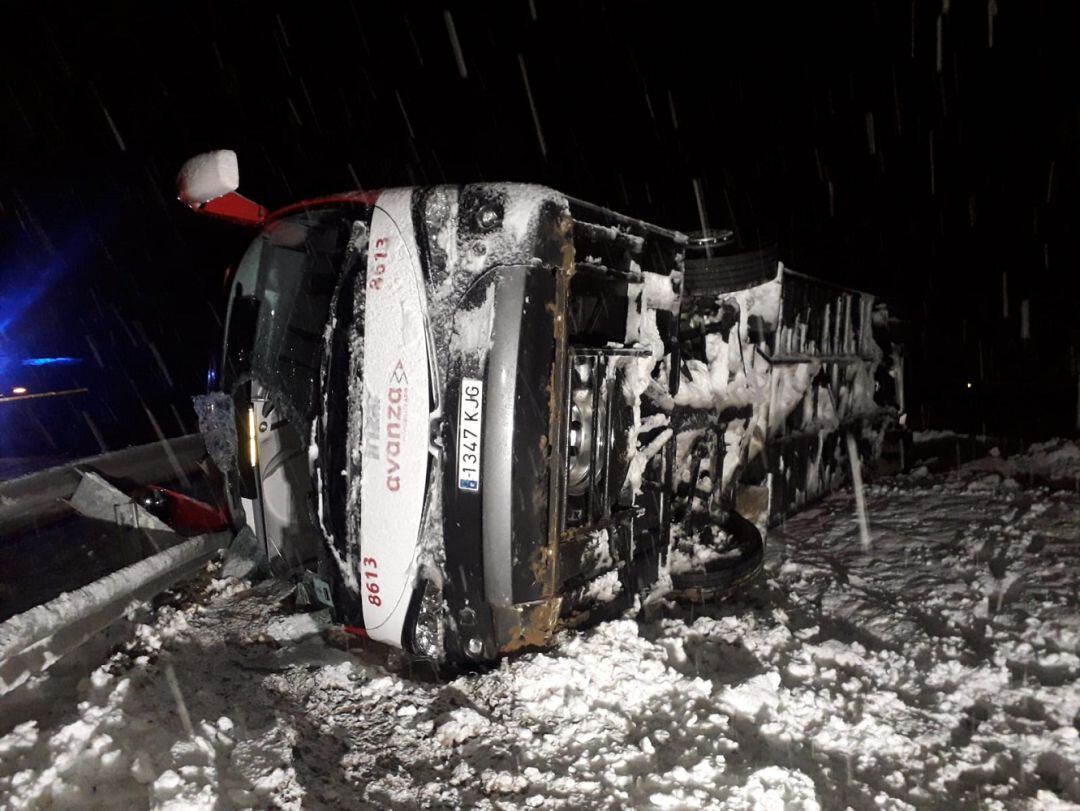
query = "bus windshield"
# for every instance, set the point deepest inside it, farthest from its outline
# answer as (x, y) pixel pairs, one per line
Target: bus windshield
(280, 302)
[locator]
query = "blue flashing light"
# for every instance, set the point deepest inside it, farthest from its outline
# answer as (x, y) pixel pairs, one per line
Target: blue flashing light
(51, 361)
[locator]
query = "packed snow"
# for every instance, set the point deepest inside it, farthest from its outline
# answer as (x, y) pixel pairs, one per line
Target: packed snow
(1056, 461)
(938, 668)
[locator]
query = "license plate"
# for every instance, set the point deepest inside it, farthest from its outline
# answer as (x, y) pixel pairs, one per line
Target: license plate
(470, 417)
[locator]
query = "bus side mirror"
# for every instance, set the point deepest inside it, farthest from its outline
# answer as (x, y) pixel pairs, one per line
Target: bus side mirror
(207, 184)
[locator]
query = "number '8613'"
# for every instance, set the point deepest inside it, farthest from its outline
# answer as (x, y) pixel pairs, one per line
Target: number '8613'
(371, 580)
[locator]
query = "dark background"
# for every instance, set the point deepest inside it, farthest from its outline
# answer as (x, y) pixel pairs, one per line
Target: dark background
(884, 145)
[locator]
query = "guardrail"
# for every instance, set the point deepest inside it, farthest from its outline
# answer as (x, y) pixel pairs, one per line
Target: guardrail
(38, 498)
(72, 626)
(31, 642)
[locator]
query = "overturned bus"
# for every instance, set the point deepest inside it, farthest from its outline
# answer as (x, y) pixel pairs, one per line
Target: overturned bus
(482, 413)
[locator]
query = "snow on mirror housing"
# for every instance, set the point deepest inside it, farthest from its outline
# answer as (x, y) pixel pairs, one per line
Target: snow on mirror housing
(207, 184)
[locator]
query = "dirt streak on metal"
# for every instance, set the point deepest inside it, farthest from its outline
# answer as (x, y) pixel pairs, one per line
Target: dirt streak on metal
(538, 624)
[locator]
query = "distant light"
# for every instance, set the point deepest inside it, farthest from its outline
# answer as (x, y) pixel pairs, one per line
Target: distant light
(969, 385)
(51, 361)
(19, 390)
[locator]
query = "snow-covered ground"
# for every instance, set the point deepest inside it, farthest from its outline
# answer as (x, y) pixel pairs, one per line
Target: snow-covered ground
(937, 669)
(1056, 461)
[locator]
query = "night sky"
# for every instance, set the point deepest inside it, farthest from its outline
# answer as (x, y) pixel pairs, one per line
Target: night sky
(919, 150)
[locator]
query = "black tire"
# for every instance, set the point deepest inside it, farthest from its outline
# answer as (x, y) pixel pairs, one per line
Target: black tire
(702, 587)
(710, 276)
